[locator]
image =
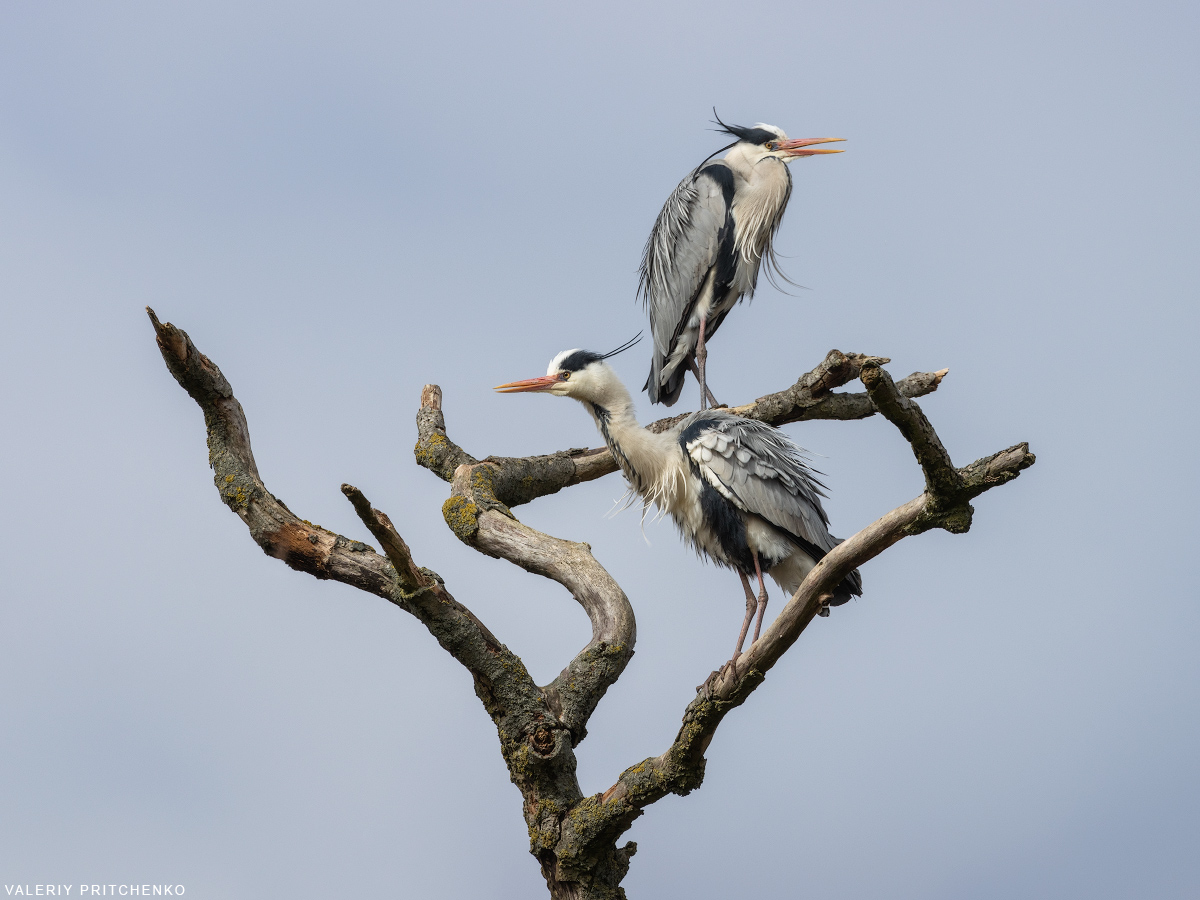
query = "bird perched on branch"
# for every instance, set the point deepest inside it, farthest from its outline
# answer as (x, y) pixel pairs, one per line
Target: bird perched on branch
(739, 490)
(707, 245)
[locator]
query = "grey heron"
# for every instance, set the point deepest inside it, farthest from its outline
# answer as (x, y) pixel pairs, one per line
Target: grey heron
(707, 245)
(739, 490)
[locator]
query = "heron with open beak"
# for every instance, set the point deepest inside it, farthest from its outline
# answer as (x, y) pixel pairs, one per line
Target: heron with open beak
(707, 246)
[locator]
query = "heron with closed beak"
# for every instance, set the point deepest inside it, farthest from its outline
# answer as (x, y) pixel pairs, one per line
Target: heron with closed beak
(739, 490)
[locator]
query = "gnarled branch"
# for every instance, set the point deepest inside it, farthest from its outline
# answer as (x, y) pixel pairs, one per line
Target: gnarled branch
(480, 519)
(518, 480)
(524, 717)
(538, 727)
(488, 488)
(275, 528)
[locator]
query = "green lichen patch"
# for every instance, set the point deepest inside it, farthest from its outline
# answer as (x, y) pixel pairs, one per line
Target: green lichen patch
(544, 817)
(432, 451)
(463, 518)
(483, 489)
(237, 490)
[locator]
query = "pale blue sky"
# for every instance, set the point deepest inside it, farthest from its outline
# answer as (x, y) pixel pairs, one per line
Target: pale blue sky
(342, 202)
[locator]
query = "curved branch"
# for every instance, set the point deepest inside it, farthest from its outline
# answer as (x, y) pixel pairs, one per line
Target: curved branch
(434, 450)
(275, 528)
(500, 678)
(483, 522)
(941, 478)
(537, 727)
(577, 690)
(519, 480)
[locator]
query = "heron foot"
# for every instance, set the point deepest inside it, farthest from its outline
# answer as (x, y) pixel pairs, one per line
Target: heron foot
(706, 688)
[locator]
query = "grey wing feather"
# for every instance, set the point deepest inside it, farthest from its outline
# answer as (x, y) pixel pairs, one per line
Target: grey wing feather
(681, 249)
(763, 472)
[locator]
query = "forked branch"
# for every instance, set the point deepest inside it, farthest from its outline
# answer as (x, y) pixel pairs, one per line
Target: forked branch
(501, 681)
(538, 727)
(481, 520)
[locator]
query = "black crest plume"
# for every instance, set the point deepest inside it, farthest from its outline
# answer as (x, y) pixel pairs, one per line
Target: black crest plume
(742, 133)
(625, 346)
(736, 131)
(581, 358)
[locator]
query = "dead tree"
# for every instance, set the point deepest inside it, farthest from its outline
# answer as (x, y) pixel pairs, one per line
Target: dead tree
(575, 838)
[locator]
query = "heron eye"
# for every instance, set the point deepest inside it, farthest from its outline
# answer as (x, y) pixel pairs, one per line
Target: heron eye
(771, 145)
(564, 376)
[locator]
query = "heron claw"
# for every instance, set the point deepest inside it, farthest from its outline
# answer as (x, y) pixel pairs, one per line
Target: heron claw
(706, 688)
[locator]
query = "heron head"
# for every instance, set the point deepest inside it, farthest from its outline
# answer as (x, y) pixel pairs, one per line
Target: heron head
(581, 374)
(762, 141)
(572, 373)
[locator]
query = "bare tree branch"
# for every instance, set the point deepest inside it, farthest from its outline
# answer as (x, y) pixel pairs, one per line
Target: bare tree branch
(515, 703)
(281, 534)
(480, 519)
(574, 837)
(518, 480)
(482, 522)
(944, 504)
(415, 583)
(538, 728)
(941, 478)
(434, 450)
(410, 577)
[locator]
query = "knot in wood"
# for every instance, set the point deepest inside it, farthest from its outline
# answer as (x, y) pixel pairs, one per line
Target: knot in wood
(542, 740)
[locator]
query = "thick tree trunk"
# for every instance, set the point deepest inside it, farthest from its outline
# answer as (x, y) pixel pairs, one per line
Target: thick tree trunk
(600, 881)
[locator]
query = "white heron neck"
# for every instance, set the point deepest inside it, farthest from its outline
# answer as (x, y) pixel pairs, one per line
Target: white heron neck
(642, 455)
(763, 191)
(608, 399)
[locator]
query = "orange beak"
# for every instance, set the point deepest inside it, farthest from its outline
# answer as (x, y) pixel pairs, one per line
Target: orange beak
(799, 147)
(544, 383)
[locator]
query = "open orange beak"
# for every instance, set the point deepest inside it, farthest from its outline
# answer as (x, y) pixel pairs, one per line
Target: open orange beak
(544, 383)
(799, 147)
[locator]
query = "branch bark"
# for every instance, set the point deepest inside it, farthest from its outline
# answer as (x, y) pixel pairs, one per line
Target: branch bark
(519, 480)
(481, 520)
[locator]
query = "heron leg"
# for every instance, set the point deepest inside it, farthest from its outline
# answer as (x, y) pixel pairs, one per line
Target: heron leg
(701, 359)
(750, 605)
(712, 401)
(762, 597)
